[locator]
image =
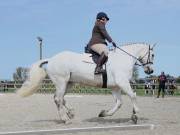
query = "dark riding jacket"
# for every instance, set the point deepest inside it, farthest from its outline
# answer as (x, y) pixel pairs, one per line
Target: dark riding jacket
(162, 79)
(99, 34)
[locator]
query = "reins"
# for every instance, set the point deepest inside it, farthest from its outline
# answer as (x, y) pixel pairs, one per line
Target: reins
(140, 60)
(127, 53)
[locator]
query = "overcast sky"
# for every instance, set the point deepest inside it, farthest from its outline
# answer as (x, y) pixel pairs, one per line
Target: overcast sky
(67, 25)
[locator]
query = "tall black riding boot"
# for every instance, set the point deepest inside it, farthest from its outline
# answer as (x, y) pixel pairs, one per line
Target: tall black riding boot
(102, 59)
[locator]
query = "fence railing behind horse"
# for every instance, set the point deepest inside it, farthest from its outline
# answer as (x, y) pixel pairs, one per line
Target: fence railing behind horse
(47, 87)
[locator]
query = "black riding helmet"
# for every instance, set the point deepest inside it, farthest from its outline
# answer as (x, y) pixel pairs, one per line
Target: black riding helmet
(101, 15)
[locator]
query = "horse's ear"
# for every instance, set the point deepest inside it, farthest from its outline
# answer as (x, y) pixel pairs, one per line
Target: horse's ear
(153, 46)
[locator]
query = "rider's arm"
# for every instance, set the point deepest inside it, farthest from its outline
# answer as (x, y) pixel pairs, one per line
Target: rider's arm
(103, 31)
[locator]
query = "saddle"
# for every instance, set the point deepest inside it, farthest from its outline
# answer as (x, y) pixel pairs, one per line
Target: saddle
(95, 56)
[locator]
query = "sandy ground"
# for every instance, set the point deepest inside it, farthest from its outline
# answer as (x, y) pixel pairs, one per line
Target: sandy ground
(39, 112)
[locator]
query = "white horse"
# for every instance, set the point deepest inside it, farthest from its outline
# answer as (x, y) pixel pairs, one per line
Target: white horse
(67, 68)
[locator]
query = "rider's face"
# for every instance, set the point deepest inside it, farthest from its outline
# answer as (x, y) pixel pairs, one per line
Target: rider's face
(104, 20)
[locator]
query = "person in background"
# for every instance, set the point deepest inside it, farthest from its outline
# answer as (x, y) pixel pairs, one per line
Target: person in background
(162, 81)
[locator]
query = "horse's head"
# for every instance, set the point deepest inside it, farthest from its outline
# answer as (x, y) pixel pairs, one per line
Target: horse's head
(146, 59)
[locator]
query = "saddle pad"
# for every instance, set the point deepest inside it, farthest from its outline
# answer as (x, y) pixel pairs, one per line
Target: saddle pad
(87, 58)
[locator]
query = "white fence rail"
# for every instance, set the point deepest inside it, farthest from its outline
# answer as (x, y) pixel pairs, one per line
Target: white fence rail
(5, 86)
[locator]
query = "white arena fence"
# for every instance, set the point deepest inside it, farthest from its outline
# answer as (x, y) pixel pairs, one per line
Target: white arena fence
(48, 87)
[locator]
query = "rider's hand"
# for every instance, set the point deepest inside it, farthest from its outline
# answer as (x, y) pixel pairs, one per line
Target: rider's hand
(114, 44)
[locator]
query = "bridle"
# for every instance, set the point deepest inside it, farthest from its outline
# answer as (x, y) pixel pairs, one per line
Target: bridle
(140, 60)
(148, 61)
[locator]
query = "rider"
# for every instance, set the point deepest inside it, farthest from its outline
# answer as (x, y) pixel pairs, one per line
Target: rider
(97, 42)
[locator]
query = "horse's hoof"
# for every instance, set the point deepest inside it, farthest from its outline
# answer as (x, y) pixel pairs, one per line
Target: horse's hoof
(134, 118)
(102, 113)
(67, 122)
(70, 115)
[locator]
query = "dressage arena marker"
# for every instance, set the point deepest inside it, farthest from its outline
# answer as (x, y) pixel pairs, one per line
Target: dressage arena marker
(85, 129)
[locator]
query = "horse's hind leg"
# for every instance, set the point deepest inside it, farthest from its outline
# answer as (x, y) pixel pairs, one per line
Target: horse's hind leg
(69, 110)
(61, 84)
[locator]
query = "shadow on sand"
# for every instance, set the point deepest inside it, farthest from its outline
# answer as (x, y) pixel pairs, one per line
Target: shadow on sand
(98, 120)
(53, 121)
(101, 120)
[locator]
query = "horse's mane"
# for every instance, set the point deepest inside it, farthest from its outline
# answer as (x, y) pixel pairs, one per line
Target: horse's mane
(134, 43)
(127, 45)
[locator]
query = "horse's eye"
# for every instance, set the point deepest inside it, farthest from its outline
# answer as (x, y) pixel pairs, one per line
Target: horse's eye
(152, 55)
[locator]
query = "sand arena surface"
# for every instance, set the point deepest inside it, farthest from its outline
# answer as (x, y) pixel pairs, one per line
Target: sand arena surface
(39, 112)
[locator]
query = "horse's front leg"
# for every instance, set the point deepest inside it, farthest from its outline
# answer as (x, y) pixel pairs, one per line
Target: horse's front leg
(117, 96)
(125, 85)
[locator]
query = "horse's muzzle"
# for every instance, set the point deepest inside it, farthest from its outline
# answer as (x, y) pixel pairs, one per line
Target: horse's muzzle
(148, 70)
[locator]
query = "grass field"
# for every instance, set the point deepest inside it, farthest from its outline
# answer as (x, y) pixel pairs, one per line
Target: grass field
(89, 90)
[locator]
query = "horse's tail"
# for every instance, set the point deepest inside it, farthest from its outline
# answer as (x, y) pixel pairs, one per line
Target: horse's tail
(36, 75)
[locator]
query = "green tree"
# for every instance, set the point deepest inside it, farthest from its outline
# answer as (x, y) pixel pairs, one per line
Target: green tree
(178, 79)
(21, 74)
(135, 73)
